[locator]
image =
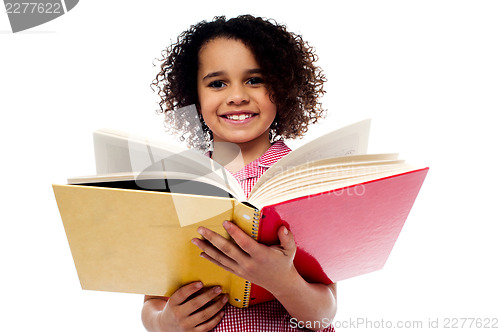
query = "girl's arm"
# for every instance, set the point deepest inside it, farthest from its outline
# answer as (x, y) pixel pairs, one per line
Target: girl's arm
(271, 267)
(182, 311)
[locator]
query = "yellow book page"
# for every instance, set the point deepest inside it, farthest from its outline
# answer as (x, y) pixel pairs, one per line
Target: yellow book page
(136, 241)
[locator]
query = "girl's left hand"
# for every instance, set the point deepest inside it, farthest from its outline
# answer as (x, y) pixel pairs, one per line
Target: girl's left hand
(263, 265)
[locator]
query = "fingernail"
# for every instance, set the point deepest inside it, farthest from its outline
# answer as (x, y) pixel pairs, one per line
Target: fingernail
(286, 231)
(201, 230)
(199, 284)
(226, 224)
(224, 299)
(217, 290)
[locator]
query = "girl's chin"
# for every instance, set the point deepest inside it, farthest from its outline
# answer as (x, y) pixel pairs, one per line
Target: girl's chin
(235, 140)
(240, 139)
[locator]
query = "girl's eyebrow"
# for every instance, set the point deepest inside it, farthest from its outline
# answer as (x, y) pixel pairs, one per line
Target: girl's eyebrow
(214, 74)
(254, 71)
(221, 73)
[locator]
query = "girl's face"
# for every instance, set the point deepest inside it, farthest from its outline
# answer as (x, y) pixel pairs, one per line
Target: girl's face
(234, 100)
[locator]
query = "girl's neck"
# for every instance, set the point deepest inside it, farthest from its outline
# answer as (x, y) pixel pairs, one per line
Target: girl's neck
(235, 156)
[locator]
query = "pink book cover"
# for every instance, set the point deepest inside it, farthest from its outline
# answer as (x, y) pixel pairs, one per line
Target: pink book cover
(345, 232)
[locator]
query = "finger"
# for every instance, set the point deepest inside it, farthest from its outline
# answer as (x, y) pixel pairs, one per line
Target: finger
(214, 255)
(198, 302)
(210, 312)
(183, 293)
(225, 267)
(224, 245)
(211, 324)
(287, 241)
(244, 241)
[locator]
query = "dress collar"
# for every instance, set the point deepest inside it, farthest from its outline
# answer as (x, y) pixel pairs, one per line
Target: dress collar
(278, 150)
(275, 152)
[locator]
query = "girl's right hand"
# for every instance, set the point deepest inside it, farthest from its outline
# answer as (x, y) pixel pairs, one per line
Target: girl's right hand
(193, 308)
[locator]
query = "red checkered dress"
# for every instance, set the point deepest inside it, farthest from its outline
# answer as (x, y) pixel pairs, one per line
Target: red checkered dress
(269, 316)
(248, 175)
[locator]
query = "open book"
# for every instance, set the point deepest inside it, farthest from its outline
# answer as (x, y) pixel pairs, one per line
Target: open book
(129, 227)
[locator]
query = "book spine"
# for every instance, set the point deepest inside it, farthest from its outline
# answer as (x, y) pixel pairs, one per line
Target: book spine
(254, 234)
(255, 224)
(247, 218)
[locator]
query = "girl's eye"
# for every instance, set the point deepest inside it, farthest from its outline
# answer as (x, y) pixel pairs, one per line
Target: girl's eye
(216, 84)
(255, 80)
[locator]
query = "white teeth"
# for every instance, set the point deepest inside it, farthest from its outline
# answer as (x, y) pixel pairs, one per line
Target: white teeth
(239, 117)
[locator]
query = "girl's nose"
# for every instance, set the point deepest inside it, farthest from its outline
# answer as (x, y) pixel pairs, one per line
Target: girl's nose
(237, 95)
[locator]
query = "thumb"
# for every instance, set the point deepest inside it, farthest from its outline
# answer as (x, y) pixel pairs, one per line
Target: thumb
(287, 240)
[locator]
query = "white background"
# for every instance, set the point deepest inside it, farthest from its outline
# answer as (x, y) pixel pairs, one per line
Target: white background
(426, 72)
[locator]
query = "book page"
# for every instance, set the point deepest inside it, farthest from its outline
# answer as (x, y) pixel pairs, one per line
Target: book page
(327, 168)
(118, 152)
(278, 196)
(349, 140)
(172, 182)
(302, 183)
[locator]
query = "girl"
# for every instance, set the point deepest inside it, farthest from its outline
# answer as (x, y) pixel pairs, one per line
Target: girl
(254, 84)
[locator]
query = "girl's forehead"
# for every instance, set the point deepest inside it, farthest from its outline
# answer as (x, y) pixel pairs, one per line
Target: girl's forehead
(225, 52)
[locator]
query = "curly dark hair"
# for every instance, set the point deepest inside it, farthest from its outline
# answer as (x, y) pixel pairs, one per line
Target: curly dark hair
(287, 62)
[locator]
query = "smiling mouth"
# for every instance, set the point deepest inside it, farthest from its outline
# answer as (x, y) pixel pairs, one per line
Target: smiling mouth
(239, 117)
